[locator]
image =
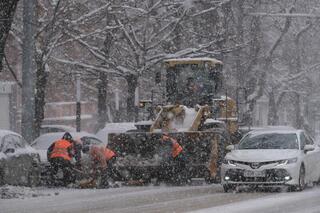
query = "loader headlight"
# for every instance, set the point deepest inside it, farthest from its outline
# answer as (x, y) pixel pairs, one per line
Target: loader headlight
(229, 162)
(287, 161)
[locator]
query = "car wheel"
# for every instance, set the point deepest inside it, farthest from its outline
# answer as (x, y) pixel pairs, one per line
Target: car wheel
(302, 183)
(229, 187)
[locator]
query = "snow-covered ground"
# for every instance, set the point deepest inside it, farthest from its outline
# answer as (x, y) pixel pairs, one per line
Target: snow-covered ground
(298, 202)
(202, 198)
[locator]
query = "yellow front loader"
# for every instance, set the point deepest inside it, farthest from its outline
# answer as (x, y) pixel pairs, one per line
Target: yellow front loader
(196, 115)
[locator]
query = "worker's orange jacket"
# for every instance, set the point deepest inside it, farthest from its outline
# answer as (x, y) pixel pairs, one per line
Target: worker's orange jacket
(176, 148)
(61, 149)
(101, 155)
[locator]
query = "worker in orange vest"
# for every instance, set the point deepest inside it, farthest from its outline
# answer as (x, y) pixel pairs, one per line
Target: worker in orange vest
(176, 148)
(173, 160)
(60, 155)
(102, 160)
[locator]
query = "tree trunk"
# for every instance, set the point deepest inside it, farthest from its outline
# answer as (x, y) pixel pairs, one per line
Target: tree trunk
(273, 118)
(102, 100)
(40, 94)
(28, 73)
(132, 81)
(7, 10)
(103, 84)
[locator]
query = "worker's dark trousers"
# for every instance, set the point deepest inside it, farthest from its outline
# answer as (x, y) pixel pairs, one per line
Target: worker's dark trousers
(108, 174)
(67, 170)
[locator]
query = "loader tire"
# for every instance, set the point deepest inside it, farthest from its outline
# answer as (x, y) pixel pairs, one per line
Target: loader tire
(1, 177)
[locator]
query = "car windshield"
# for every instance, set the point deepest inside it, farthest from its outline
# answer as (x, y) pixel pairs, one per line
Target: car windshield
(269, 141)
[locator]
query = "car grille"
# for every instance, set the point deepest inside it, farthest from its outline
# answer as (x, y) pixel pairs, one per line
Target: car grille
(272, 175)
(255, 165)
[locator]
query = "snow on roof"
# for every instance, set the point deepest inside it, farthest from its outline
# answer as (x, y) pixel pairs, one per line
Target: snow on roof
(68, 118)
(45, 140)
(102, 134)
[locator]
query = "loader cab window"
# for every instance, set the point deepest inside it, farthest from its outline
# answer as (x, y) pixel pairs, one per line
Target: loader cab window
(191, 84)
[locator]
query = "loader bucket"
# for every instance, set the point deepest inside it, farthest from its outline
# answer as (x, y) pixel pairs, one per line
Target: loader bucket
(140, 155)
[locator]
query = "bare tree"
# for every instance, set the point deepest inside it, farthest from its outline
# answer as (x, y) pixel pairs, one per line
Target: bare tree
(7, 10)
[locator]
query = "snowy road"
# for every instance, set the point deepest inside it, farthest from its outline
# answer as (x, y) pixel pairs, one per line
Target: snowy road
(163, 199)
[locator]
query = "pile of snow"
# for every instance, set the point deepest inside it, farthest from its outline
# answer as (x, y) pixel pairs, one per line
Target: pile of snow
(9, 192)
(185, 124)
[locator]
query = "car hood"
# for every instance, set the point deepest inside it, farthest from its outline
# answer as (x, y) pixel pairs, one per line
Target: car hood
(262, 155)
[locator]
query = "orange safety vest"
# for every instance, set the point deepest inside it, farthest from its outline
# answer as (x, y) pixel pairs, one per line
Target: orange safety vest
(60, 149)
(108, 153)
(101, 155)
(176, 148)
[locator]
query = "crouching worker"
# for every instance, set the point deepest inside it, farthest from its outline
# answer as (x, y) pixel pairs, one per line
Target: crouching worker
(102, 160)
(60, 155)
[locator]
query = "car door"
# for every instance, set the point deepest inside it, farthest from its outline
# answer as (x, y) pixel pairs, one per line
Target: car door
(306, 158)
(17, 161)
(310, 158)
(314, 158)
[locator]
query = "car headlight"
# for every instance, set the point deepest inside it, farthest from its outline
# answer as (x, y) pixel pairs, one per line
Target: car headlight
(229, 162)
(287, 161)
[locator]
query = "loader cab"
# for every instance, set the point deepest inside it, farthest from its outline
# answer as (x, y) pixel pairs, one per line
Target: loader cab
(192, 81)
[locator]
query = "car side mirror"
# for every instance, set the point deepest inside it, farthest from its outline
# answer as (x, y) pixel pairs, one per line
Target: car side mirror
(9, 150)
(308, 148)
(230, 147)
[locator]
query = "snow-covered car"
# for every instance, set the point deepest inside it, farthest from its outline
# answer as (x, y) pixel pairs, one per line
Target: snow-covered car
(19, 162)
(42, 143)
(285, 157)
(55, 128)
(102, 134)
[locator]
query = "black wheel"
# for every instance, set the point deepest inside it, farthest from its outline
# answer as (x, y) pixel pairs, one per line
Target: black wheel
(229, 187)
(302, 182)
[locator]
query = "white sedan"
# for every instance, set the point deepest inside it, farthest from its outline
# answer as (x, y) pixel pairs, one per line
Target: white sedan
(272, 158)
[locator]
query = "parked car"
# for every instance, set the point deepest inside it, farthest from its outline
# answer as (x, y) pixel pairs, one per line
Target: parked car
(19, 162)
(55, 128)
(270, 157)
(102, 134)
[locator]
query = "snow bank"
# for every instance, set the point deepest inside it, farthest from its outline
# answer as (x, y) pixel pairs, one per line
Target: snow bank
(9, 192)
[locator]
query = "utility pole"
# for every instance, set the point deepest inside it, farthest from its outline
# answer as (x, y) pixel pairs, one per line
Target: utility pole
(78, 104)
(28, 70)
